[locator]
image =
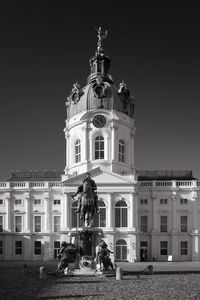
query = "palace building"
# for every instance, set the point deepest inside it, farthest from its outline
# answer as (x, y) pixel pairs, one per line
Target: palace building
(144, 215)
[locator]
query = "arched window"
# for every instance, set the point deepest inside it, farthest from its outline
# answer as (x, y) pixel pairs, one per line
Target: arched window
(100, 219)
(75, 221)
(121, 151)
(121, 250)
(99, 147)
(121, 214)
(78, 151)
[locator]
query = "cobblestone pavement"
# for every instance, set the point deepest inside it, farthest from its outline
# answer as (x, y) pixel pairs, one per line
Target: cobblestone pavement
(14, 285)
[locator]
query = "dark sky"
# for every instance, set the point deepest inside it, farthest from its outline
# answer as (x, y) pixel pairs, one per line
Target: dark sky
(45, 47)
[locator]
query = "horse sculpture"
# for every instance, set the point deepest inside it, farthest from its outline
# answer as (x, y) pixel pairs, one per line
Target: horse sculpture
(67, 254)
(87, 204)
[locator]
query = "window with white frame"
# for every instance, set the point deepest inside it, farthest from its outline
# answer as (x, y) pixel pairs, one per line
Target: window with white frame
(56, 223)
(121, 250)
(37, 248)
(75, 218)
(1, 201)
(78, 151)
(56, 202)
(163, 247)
(183, 223)
(163, 201)
(143, 201)
(183, 201)
(37, 202)
(56, 248)
(1, 247)
(121, 214)
(100, 219)
(144, 223)
(184, 247)
(163, 223)
(99, 147)
(18, 201)
(37, 223)
(18, 248)
(121, 150)
(1, 223)
(18, 223)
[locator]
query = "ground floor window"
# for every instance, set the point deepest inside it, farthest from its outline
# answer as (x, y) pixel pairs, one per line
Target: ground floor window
(56, 248)
(184, 247)
(75, 221)
(18, 247)
(163, 248)
(1, 247)
(143, 251)
(121, 250)
(38, 248)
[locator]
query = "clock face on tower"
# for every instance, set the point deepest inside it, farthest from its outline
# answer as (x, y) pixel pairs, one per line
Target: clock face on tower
(99, 121)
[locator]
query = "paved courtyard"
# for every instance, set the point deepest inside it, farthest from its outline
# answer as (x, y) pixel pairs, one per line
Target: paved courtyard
(14, 284)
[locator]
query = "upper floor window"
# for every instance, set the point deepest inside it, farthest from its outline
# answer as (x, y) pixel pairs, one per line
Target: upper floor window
(163, 223)
(75, 218)
(37, 202)
(1, 223)
(143, 224)
(18, 223)
(1, 201)
(37, 224)
(183, 223)
(1, 247)
(100, 219)
(56, 202)
(163, 201)
(56, 223)
(18, 201)
(143, 201)
(99, 147)
(183, 201)
(78, 151)
(121, 214)
(121, 151)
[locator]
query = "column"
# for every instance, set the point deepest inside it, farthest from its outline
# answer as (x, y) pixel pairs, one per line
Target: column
(110, 212)
(8, 212)
(135, 211)
(47, 213)
(28, 212)
(195, 237)
(113, 142)
(132, 135)
(154, 216)
(67, 151)
(174, 216)
(66, 211)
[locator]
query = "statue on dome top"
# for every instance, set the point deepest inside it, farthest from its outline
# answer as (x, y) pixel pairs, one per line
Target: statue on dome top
(101, 36)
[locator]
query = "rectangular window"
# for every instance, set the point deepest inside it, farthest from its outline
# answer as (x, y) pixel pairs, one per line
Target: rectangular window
(163, 201)
(183, 223)
(183, 201)
(18, 201)
(56, 248)
(163, 248)
(143, 224)
(56, 223)
(163, 223)
(38, 248)
(143, 201)
(18, 247)
(1, 247)
(37, 201)
(1, 201)
(37, 223)
(184, 248)
(56, 202)
(18, 223)
(1, 223)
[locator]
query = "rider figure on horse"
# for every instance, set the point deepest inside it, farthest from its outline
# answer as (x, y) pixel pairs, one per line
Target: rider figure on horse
(80, 191)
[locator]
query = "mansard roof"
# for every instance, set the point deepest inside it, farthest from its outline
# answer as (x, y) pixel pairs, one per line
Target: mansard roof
(144, 175)
(36, 175)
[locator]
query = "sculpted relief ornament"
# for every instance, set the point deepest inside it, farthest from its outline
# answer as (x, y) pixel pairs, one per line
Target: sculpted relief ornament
(126, 98)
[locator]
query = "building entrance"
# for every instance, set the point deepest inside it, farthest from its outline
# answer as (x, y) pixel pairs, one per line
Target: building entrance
(143, 251)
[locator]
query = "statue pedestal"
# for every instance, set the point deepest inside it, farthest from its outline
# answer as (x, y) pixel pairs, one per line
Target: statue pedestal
(85, 240)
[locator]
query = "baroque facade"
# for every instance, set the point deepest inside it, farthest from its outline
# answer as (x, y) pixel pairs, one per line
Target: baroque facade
(144, 215)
